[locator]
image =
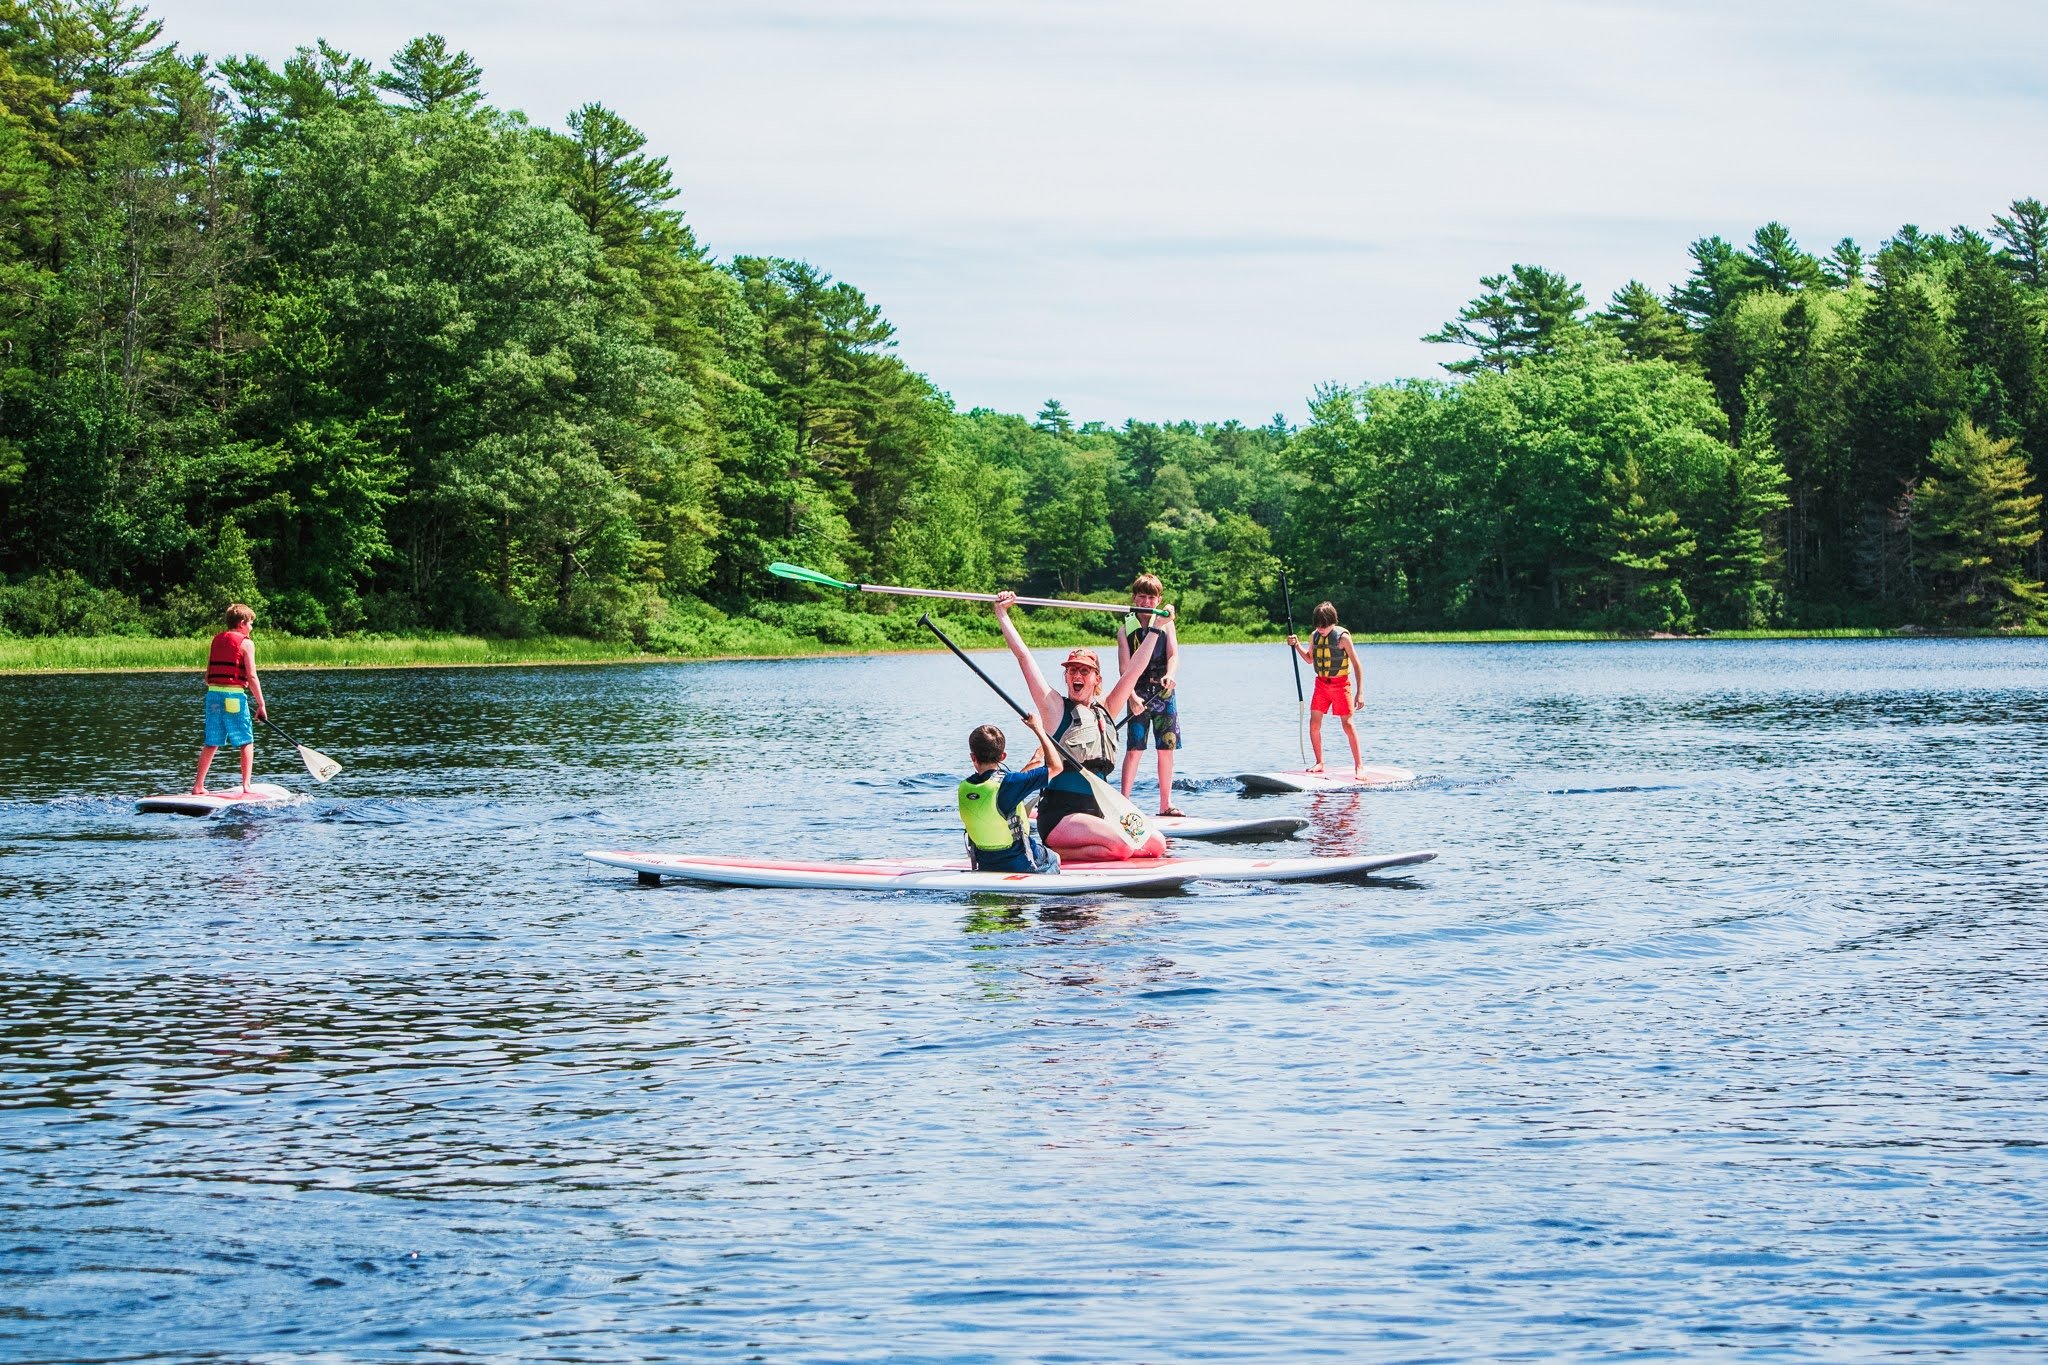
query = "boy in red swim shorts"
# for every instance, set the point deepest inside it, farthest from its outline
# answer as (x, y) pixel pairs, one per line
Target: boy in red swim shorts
(1340, 681)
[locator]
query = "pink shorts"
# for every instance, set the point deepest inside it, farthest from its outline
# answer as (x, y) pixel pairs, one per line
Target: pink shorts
(1332, 695)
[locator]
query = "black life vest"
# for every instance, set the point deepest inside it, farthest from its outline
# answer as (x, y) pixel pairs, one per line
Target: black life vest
(1155, 667)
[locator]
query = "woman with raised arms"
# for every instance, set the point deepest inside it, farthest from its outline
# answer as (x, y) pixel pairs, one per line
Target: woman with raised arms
(1081, 720)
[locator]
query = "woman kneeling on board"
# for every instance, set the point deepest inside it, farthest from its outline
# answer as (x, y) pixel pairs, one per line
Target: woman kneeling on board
(1081, 721)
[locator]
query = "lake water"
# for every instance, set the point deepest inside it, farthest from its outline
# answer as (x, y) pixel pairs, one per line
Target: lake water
(1717, 1030)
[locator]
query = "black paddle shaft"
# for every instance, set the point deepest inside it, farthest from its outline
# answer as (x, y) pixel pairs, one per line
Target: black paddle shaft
(1022, 714)
(1288, 601)
(927, 623)
(281, 730)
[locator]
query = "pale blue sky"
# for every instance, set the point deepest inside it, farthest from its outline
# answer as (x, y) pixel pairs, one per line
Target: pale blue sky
(1178, 208)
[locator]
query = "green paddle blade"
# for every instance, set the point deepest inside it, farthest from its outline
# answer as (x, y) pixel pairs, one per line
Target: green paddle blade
(803, 575)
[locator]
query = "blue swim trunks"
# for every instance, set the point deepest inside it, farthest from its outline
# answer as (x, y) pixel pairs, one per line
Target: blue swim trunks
(229, 724)
(1159, 722)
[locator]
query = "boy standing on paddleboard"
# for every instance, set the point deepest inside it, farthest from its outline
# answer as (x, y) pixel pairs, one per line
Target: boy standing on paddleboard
(231, 683)
(1340, 682)
(996, 806)
(1155, 713)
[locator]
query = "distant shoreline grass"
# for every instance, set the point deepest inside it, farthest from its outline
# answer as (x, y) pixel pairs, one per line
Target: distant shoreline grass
(144, 654)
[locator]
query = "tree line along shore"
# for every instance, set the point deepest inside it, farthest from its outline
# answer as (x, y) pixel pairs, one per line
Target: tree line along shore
(158, 654)
(397, 367)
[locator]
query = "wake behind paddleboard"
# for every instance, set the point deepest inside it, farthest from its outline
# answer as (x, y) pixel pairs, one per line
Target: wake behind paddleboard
(1201, 827)
(939, 874)
(212, 803)
(1341, 780)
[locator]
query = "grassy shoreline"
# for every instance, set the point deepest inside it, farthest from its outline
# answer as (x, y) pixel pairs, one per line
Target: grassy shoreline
(141, 654)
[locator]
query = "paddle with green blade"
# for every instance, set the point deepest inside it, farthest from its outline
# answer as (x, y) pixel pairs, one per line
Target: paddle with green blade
(1130, 825)
(796, 573)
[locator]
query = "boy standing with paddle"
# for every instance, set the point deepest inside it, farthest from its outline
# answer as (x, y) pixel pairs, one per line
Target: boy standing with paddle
(1340, 682)
(1155, 713)
(231, 683)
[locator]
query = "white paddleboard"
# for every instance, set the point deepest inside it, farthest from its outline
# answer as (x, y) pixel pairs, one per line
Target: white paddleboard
(1336, 780)
(890, 874)
(1201, 827)
(213, 803)
(940, 874)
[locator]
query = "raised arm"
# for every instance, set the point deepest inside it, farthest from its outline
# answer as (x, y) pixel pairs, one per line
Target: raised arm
(1128, 680)
(1043, 697)
(1054, 756)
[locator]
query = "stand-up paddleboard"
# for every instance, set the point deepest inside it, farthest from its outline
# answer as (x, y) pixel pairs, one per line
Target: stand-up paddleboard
(1338, 780)
(1202, 827)
(889, 874)
(940, 874)
(213, 803)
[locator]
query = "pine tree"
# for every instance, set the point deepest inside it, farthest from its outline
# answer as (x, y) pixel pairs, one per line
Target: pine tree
(1643, 551)
(1055, 418)
(2024, 233)
(427, 76)
(1645, 325)
(1844, 265)
(1486, 324)
(1774, 261)
(1974, 522)
(1717, 280)
(1909, 389)
(1744, 556)
(1526, 313)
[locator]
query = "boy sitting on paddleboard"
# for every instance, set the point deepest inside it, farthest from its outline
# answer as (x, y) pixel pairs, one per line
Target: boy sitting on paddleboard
(1155, 713)
(996, 806)
(1340, 682)
(1074, 814)
(231, 683)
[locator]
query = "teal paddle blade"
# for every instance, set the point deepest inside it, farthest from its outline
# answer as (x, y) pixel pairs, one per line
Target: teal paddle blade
(803, 575)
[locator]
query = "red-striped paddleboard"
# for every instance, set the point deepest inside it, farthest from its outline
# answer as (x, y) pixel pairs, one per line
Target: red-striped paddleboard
(941, 874)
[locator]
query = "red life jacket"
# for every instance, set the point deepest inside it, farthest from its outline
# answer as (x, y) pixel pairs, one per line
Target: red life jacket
(226, 666)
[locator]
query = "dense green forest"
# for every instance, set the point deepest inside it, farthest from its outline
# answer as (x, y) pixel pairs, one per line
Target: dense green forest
(351, 344)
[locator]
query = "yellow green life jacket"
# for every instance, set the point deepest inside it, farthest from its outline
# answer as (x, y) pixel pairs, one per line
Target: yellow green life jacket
(988, 829)
(1327, 647)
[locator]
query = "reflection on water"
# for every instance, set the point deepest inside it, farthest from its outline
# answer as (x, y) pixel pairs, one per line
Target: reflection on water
(1716, 1030)
(1336, 822)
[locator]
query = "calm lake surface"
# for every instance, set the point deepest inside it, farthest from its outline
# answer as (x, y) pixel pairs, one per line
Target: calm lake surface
(1717, 1030)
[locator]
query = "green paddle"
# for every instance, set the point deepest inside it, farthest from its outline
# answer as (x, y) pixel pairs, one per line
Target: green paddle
(799, 574)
